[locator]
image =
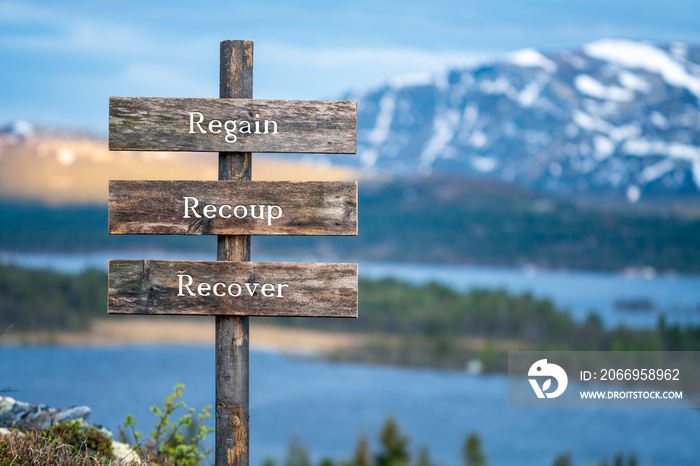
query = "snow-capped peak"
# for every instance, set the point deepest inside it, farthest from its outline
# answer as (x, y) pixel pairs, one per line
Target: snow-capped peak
(647, 57)
(613, 116)
(531, 58)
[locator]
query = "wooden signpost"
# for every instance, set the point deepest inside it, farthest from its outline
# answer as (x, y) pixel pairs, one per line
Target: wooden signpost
(232, 208)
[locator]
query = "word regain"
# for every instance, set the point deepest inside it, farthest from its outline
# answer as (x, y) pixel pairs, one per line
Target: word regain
(231, 126)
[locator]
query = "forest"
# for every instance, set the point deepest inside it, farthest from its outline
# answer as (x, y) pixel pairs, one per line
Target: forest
(417, 325)
(428, 220)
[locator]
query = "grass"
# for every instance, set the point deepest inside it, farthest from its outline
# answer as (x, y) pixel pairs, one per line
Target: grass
(61, 445)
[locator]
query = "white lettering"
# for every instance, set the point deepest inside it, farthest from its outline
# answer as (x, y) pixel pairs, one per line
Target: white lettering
(231, 292)
(191, 203)
(245, 211)
(209, 211)
(196, 203)
(252, 292)
(230, 127)
(221, 211)
(181, 285)
(192, 122)
(267, 122)
(216, 285)
(270, 217)
(268, 288)
(203, 289)
(215, 123)
(220, 289)
(252, 212)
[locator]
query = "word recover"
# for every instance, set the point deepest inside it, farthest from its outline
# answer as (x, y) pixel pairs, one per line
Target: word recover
(268, 290)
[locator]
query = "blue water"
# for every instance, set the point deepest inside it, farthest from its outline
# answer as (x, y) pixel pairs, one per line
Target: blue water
(675, 296)
(329, 404)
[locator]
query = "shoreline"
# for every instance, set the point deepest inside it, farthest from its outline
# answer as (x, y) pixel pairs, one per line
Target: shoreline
(185, 331)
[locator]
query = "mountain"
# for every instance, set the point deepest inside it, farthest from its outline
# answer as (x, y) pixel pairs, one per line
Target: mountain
(616, 117)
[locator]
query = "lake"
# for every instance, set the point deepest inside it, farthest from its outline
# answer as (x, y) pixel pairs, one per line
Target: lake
(329, 404)
(580, 292)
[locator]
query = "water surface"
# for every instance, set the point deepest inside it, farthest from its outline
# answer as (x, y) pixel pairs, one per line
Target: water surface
(329, 404)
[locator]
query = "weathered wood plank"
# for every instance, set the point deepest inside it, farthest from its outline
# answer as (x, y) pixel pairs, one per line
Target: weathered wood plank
(173, 124)
(284, 289)
(286, 208)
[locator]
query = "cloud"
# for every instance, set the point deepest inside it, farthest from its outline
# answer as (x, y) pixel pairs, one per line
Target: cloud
(57, 28)
(375, 57)
(162, 80)
(302, 50)
(326, 72)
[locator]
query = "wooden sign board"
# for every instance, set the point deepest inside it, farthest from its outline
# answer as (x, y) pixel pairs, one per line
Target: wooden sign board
(232, 208)
(232, 125)
(232, 288)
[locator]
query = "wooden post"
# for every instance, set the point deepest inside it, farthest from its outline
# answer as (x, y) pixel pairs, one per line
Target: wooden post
(232, 340)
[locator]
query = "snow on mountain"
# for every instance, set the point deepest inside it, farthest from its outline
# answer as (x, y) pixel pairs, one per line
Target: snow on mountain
(617, 115)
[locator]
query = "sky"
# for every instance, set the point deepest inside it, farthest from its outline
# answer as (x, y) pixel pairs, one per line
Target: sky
(61, 60)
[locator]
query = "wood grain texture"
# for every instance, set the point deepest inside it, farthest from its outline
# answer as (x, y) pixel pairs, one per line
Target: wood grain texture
(305, 208)
(163, 124)
(232, 410)
(152, 287)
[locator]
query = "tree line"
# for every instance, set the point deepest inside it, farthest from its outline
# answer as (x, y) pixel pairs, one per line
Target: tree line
(407, 324)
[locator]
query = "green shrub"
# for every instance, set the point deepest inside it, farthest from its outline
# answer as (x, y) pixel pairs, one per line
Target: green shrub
(167, 444)
(83, 438)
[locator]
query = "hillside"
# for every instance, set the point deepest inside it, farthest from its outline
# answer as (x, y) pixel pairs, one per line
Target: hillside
(435, 219)
(444, 219)
(76, 170)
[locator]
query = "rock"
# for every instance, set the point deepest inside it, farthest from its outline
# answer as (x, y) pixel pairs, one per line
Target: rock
(19, 414)
(73, 414)
(6, 404)
(18, 128)
(125, 453)
(4, 432)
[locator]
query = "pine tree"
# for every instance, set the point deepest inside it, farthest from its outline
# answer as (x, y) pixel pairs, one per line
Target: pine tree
(362, 456)
(394, 446)
(297, 455)
(424, 457)
(471, 452)
(563, 459)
